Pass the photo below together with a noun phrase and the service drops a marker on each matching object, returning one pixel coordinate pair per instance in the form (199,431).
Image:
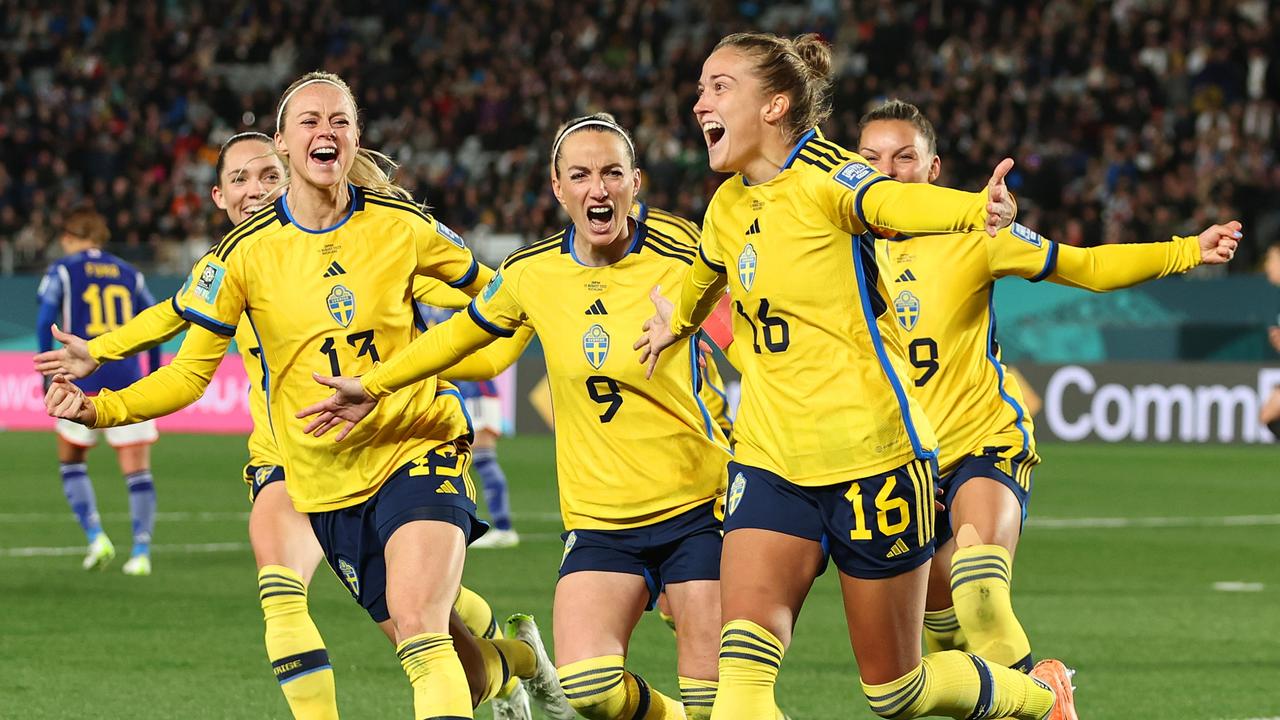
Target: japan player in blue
(89,292)
(485,408)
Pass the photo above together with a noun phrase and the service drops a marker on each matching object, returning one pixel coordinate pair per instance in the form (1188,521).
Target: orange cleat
(1057,677)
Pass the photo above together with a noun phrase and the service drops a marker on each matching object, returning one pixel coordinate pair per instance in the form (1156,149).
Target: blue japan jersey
(432,316)
(89,294)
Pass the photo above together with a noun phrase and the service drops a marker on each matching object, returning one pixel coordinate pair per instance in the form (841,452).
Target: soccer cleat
(544,686)
(1057,678)
(514,706)
(101,553)
(496,538)
(138,566)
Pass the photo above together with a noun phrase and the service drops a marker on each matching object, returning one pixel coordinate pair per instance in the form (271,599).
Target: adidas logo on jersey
(899,548)
(335,269)
(907,276)
(755,227)
(597,308)
(447,488)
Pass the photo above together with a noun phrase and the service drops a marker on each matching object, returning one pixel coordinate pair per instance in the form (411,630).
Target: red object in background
(719,324)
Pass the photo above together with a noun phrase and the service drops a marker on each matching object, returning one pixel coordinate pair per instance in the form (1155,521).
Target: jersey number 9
(605,391)
(924,355)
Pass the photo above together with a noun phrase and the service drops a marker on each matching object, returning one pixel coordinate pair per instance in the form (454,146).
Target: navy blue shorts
(875,527)
(685,547)
(260,476)
(434,487)
(1014,473)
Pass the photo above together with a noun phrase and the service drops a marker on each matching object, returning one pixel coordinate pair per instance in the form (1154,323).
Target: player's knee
(596,688)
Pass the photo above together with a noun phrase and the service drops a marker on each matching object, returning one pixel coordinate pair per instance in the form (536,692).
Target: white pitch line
(80,549)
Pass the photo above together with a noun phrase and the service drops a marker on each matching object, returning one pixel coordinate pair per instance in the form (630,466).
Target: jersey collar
(637,239)
(791,157)
(286,217)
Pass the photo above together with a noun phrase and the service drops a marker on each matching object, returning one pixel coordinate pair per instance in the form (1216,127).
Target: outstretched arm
(1111,267)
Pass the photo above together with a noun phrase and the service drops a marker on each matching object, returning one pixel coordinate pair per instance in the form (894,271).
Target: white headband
(555,149)
(285,103)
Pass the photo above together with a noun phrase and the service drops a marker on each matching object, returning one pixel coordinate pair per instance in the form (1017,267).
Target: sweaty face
(730,110)
(897,149)
(250,174)
(319,135)
(596,183)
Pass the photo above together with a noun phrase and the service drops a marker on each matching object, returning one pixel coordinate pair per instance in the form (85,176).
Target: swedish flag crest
(570,540)
(349,577)
(595,345)
(747,266)
(736,491)
(907,308)
(342,305)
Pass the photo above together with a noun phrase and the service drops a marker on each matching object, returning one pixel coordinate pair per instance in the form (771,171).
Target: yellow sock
(980,576)
(440,689)
(698,696)
(942,631)
(750,657)
(505,662)
(476,614)
(294,645)
(600,689)
(959,685)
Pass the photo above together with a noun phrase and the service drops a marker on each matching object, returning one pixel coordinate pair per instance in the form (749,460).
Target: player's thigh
(885,616)
(765,576)
(991,508)
(939,593)
(595,612)
(74,441)
(424,561)
(485,438)
(134,458)
(280,535)
(695,606)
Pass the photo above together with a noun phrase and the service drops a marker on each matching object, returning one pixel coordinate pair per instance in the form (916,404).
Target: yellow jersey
(629,451)
(824,390)
(334,301)
(942,291)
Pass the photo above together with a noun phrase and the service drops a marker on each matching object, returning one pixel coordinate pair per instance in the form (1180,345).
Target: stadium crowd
(1130,120)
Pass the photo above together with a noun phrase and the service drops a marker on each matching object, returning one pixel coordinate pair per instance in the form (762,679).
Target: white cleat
(544,686)
(101,553)
(514,706)
(138,566)
(495,539)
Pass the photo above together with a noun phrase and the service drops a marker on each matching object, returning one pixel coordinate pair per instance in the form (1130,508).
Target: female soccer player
(393,518)
(828,444)
(640,464)
(942,290)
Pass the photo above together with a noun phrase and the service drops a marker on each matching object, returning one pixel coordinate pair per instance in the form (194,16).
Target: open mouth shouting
(325,156)
(600,218)
(713,132)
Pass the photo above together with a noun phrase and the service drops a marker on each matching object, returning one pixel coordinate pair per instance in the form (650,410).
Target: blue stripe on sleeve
(485,324)
(1050,263)
(209,323)
(468,277)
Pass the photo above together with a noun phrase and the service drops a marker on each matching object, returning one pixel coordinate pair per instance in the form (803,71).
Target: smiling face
(732,110)
(898,149)
(596,183)
(251,172)
(318,134)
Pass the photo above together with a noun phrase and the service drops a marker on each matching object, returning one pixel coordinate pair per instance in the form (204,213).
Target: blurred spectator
(1130,120)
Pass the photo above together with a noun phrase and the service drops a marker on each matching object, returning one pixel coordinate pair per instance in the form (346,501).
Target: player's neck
(768,161)
(316,208)
(602,255)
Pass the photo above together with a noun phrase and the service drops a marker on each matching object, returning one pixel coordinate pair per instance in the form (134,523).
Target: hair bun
(815,53)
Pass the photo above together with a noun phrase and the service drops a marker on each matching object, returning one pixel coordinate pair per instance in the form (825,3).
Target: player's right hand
(72,359)
(1218,243)
(68,402)
(348,405)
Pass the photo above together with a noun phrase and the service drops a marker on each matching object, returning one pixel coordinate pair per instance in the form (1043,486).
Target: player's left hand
(657,331)
(72,359)
(66,401)
(348,405)
(1001,207)
(1218,243)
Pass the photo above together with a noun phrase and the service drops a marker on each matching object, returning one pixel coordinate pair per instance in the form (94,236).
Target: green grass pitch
(1116,575)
